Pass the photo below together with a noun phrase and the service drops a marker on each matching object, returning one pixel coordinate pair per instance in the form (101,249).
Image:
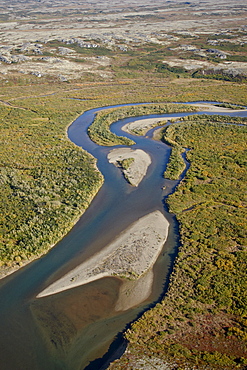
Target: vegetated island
(130,256)
(201,322)
(133,163)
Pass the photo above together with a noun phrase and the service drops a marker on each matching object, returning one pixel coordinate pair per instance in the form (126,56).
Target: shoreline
(6,271)
(130,256)
(144,124)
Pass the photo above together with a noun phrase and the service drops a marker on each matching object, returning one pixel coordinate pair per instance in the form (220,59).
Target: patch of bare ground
(209,332)
(130,255)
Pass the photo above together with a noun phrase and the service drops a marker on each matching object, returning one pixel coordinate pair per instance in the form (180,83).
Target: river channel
(71,329)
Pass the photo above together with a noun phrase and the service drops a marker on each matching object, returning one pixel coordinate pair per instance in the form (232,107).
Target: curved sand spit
(214,108)
(130,255)
(143,125)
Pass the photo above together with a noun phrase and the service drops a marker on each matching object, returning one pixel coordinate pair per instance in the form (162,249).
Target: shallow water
(72,328)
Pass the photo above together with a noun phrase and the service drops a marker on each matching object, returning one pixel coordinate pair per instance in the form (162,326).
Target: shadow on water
(116,350)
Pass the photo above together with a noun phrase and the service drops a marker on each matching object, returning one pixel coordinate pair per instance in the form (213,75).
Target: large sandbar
(130,255)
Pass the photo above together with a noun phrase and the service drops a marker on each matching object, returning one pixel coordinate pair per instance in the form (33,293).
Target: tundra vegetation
(176,163)
(99,130)
(125,163)
(202,320)
(46,183)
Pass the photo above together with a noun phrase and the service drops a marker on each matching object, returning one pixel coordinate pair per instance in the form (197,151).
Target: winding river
(74,328)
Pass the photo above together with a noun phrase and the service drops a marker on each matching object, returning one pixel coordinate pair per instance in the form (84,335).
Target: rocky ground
(64,39)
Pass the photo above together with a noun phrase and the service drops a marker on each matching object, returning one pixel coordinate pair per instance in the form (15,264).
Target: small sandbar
(140,127)
(137,169)
(214,108)
(130,255)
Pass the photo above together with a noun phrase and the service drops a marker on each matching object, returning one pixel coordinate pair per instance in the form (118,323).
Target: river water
(70,329)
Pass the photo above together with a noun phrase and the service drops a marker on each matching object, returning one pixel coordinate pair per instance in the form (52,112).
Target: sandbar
(129,256)
(138,168)
(143,125)
(214,108)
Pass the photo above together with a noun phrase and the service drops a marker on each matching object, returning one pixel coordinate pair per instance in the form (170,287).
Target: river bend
(70,329)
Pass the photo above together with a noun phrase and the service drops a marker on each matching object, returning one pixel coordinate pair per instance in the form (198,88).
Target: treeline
(202,319)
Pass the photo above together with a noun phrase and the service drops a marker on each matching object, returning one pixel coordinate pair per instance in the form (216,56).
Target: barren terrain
(69,40)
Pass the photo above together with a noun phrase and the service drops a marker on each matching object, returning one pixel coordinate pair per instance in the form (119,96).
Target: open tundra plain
(75,39)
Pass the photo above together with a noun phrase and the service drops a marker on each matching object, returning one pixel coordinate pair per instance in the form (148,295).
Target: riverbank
(19,284)
(130,255)
(200,322)
(141,126)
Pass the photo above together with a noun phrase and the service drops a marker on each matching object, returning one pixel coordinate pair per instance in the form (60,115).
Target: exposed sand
(143,125)
(133,292)
(214,108)
(138,168)
(130,255)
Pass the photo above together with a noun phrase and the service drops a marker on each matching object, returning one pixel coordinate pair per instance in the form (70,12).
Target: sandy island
(130,255)
(137,169)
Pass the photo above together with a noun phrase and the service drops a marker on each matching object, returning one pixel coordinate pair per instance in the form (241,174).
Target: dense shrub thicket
(45,183)
(203,317)
(99,130)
